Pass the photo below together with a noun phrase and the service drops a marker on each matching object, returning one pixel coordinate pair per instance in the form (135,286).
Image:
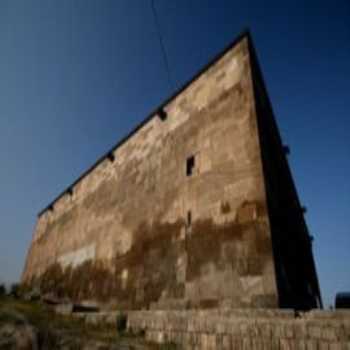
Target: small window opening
(162,114)
(51,207)
(190,166)
(111,157)
(70,192)
(189,218)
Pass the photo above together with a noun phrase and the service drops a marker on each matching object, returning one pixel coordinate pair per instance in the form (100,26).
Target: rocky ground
(32,325)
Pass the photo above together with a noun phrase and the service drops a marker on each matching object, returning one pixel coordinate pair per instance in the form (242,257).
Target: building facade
(195,208)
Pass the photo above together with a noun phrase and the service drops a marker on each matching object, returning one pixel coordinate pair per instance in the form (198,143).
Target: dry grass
(53,327)
(46,321)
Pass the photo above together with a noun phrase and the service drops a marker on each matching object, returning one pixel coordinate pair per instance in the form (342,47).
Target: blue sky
(76,76)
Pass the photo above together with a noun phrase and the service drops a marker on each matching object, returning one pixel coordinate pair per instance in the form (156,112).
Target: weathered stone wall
(164,236)
(245,329)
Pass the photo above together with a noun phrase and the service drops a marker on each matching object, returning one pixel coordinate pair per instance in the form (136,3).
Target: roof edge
(244,34)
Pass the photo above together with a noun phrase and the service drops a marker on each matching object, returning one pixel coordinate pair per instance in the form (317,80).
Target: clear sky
(77,75)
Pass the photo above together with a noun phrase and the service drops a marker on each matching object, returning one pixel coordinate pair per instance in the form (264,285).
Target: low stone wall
(97,318)
(245,329)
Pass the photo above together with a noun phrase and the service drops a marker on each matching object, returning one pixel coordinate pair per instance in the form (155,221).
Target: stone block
(64,309)
(314,331)
(335,346)
(323,345)
(226,342)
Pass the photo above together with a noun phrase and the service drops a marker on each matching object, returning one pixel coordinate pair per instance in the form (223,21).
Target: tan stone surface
(132,212)
(244,329)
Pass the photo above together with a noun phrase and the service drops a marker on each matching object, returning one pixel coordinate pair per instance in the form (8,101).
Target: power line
(161,42)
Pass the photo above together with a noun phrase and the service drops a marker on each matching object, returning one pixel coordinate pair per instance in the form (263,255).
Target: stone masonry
(190,210)
(245,329)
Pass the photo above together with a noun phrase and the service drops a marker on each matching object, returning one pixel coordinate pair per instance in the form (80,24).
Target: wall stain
(148,272)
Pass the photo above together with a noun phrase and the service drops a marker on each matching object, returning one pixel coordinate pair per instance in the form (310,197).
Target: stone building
(195,208)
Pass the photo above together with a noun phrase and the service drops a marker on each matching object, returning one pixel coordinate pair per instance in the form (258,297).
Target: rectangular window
(189,218)
(190,166)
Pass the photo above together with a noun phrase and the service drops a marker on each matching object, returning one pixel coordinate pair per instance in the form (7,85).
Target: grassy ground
(48,323)
(40,316)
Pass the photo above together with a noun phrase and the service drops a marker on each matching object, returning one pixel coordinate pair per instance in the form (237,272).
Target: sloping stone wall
(165,236)
(245,329)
